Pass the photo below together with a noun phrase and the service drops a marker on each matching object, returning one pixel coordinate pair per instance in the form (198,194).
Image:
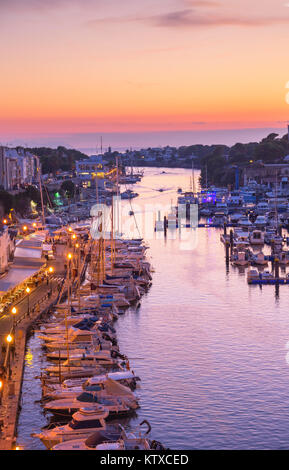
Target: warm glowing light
(74,236)
(9,339)
(34,224)
(69,229)
(5,221)
(1,384)
(77,245)
(14,310)
(69,256)
(25,228)
(51,269)
(28,290)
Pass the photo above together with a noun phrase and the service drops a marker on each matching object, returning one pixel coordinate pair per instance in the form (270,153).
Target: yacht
(245,222)
(262,207)
(256,237)
(84,422)
(127,440)
(259,259)
(116,405)
(261,221)
(239,258)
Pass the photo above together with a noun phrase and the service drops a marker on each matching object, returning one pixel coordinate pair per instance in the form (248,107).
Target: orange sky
(133,65)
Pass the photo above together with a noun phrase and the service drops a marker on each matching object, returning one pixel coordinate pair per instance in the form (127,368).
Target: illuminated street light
(28,290)
(9,339)
(5,221)
(51,269)
(69,256)
(24,228)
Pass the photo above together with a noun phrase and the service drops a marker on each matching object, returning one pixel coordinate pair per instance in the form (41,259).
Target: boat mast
(193,176)
(40,188)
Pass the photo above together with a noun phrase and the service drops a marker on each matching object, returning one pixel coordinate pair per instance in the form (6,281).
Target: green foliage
(68,187)
(60,159)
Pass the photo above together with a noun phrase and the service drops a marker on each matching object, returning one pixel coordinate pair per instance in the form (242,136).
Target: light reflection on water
(210,350)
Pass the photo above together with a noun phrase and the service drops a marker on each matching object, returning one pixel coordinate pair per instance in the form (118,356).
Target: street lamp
(28,290)
(9,340)
(14,311)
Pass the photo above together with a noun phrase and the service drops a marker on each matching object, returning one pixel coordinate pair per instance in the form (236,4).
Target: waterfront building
(7,248)
(17,167)
(266,173)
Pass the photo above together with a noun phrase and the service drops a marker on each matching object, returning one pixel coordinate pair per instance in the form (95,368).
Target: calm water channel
(210,350)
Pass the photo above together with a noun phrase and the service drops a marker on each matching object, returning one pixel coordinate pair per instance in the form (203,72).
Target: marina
(194,325)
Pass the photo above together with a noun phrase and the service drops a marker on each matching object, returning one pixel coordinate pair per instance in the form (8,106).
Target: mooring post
(227,246)
(231,241)
(165,226)
(225,229)
(276,265)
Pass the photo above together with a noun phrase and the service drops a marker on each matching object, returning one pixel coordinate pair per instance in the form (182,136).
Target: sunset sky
(90,67)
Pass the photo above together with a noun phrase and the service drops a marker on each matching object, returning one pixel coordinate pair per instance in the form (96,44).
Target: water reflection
(209,348)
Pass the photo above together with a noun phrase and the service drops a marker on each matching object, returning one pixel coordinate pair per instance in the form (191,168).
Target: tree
(68,187)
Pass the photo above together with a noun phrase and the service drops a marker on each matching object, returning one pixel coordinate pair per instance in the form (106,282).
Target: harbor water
(210,349)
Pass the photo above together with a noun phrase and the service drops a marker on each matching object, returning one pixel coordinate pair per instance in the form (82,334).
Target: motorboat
(106,388)
(239,258)
(256,237)
(116,405)
(262,207)
(84,422)
(261,221)
(283,257)
(244,222)
(235,217)
(127,440)
(259,259)
(126,377)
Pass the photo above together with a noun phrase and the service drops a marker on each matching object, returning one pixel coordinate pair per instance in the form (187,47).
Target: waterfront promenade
(29,308)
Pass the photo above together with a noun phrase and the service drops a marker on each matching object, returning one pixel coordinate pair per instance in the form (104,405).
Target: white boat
(256,237)
(128,440)
(84,422)
(245,222)
(262,207)
(261,221)
(259,259)
(240,259)
(106,388)
(116,405)
(284,258)
(235,217)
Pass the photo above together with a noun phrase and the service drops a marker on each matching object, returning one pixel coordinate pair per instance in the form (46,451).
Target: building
(7,248)
(268,174)
(18,167)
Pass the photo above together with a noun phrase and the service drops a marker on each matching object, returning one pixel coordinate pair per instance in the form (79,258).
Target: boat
(261,221)
(244,222)
(128,194)
(117,406)
(128,440)
(239,258)
(84,422)
(235,217)
(219,218)
(262,207)
(259,259)
(283,258)
(256,237)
